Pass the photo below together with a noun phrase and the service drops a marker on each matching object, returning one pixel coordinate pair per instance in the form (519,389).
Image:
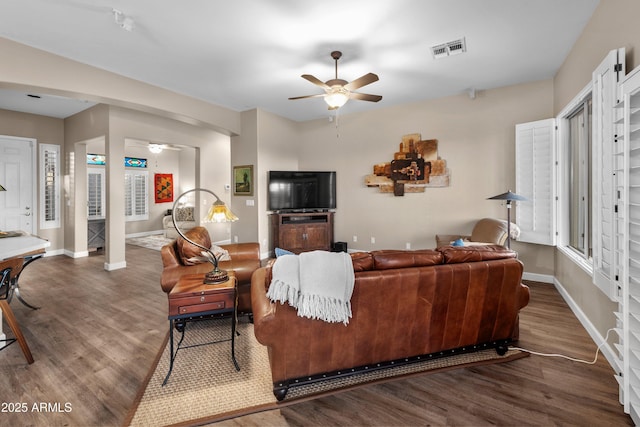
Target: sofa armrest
(243,251)
(263,309)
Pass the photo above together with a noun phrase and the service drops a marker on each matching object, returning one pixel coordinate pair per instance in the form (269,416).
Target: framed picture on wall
(163,185)
(243,180)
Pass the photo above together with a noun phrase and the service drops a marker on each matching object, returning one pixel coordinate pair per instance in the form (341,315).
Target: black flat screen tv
(295,191)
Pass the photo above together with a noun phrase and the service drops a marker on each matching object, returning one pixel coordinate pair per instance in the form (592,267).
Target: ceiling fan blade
(308,96)
(365,97)
(361,81)
(315,81)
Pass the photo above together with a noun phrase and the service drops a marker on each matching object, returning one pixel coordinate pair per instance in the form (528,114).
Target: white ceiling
(244,54)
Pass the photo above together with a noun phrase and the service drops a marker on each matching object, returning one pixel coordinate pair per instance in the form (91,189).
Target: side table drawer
(200,303)
(187,309)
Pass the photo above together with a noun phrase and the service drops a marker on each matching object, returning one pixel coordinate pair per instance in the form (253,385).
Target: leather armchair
(487,231)
(245,259)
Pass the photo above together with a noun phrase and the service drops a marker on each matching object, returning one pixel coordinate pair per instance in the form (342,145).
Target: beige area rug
(153,241)
(204,387)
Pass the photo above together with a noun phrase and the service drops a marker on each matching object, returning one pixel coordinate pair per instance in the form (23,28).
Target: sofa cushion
(388,259)
(362,261)
(458,254)
(187,251)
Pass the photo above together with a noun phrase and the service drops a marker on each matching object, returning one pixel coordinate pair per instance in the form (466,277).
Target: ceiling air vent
(449,49)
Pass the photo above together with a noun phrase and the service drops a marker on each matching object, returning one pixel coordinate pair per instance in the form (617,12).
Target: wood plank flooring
(98,332)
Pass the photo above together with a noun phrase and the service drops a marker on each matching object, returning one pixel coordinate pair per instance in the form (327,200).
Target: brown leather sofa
(405,305)
(245,259)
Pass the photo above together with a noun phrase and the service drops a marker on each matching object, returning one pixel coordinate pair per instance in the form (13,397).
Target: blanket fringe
(328,309)
(283,292)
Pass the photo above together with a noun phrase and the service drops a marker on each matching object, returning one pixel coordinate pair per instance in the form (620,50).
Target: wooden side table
(190,298)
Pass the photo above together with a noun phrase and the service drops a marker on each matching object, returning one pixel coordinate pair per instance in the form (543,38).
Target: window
(578,141)
(95,193)
(136,195)
(50,186)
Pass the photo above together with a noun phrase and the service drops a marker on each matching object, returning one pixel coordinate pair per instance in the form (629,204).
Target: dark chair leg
(13,324)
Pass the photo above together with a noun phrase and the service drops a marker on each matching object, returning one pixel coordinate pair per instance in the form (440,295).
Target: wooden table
(19,244)
(26,246)
(191,299)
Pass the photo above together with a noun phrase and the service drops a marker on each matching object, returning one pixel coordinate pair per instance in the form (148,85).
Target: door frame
(35,174)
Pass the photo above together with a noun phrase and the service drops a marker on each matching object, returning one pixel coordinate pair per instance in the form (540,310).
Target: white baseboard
(115,266)
(80,254)
(535,277)
(55,252)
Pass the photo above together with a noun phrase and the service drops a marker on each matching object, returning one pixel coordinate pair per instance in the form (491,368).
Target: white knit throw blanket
(318,284)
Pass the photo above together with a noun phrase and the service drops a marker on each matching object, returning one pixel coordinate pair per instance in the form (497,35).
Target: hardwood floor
(93,340)
(98,332)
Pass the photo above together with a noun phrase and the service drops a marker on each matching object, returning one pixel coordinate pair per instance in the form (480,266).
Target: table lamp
(509,197)
(218,212)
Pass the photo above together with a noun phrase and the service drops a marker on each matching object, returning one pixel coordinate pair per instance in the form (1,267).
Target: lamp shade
(219,212)
(508,196)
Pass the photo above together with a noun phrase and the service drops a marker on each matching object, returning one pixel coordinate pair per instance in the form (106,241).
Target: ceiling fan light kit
(337,97)
(339,91)
(156,148)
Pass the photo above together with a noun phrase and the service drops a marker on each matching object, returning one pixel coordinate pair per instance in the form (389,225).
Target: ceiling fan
(338,91)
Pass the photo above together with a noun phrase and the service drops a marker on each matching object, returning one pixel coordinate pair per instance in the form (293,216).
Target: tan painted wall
(211,164)
(45,130)
(244,151)
(476,138)
(80,129)
(614,24)
(33,68)
(118,125)
(269,142)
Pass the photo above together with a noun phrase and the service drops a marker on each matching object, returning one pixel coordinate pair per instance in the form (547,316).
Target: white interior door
(17,204)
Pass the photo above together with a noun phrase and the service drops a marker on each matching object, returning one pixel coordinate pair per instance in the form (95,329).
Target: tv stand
(302,232)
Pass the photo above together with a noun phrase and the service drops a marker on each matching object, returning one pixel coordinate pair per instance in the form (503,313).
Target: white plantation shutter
(95,193)
(627,238)
(604,84)
(50,186)
(136,194)
(535,180)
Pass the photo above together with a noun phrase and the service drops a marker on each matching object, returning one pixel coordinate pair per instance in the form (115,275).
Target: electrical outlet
(355,238)
(235,239)
(373,240)
(407,246)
